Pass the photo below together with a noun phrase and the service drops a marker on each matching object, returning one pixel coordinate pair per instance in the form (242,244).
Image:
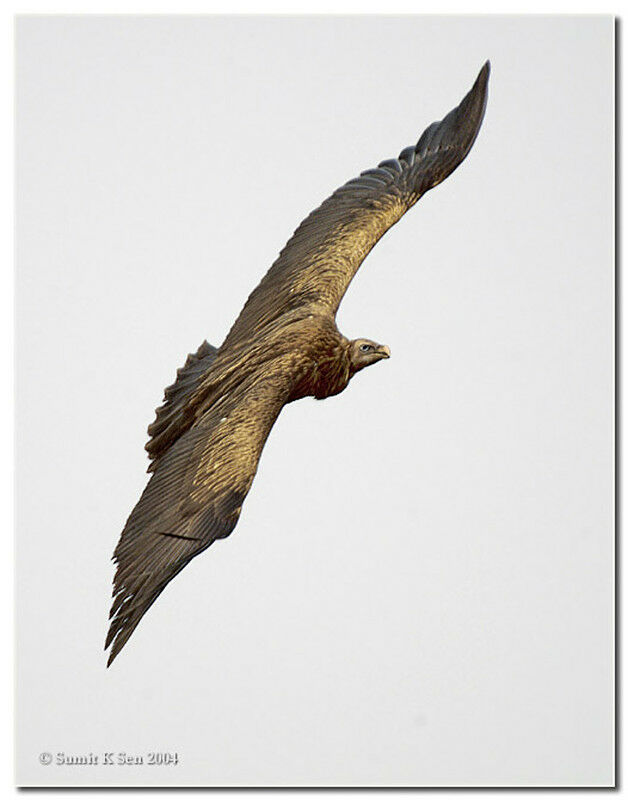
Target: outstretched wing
(318,263)
(195,495)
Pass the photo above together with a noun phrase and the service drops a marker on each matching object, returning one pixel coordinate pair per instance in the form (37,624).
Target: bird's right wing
(320,260)
(195,494)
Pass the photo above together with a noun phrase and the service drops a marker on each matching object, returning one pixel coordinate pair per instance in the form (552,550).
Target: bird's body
(208,435)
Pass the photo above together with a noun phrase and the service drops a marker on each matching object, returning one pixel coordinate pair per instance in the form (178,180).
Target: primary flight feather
(208,435)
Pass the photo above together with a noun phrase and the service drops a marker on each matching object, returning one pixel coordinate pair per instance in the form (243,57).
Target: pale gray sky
(420,589)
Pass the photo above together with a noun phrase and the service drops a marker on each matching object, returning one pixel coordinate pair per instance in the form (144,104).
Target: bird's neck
(328,372)
(332,371)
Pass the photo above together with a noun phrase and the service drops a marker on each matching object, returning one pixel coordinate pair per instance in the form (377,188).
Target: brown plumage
(208,435)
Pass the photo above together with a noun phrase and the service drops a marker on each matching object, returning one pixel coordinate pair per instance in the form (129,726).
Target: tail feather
(174,416)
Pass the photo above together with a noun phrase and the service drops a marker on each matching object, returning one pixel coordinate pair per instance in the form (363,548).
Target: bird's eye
(366,347)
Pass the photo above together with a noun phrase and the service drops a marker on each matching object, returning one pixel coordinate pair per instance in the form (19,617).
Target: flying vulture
(206,440)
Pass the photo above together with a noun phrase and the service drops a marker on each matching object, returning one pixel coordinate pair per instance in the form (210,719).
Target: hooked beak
(383,351)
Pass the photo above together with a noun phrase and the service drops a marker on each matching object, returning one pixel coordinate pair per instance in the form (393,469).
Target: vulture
(207,437)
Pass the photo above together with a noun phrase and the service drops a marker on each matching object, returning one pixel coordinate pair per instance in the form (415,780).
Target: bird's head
(364,352)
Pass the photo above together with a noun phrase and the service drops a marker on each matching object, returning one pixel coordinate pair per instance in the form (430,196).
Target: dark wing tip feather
(145,567)
(444,145)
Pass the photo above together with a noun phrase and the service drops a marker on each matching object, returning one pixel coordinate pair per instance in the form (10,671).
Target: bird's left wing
(318,263)
(195,495)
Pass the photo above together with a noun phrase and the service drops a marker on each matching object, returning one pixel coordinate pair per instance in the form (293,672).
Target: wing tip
(481,82)
(117,637)
(478,96)
(108,643)
(112,655)
(444,145)
(483,76)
